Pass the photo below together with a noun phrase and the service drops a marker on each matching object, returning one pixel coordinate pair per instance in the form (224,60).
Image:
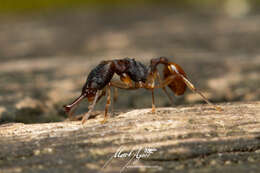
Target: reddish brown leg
(153,104)
(91,107)
(121,85)
(191,86)
(169,79)
(150,84)
(164,89)
(126,79)
(115,96)
(107,104)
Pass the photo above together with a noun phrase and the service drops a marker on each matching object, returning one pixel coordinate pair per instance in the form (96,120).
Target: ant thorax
(137,71)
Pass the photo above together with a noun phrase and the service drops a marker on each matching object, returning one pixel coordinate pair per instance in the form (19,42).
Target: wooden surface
(184,139)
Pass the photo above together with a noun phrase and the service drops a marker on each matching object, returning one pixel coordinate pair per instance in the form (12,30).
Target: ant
(133,75)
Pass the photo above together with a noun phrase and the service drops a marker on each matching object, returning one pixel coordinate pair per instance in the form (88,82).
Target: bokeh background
(48,47)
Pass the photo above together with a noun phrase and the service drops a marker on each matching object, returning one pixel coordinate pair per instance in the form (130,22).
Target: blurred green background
(27,6)
(15,6)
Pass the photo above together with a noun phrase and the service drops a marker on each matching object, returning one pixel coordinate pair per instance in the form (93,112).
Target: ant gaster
(133,75)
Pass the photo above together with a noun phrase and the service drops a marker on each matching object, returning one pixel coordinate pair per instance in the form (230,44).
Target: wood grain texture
(187,139)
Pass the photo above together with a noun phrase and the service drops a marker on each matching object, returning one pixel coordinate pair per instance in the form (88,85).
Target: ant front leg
(91,107)
(126,79)
(115,96)
(107,104)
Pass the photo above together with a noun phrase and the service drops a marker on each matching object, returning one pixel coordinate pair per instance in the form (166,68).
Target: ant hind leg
(91,107)
(169,79)
(153,104)
(192,87)
(164,88)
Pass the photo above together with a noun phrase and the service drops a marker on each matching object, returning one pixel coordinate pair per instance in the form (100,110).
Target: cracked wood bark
(186,139)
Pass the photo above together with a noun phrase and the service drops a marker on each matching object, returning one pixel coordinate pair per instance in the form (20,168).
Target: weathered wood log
(186,139)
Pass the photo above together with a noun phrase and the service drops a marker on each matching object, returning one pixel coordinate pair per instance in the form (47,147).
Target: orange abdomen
(177,85)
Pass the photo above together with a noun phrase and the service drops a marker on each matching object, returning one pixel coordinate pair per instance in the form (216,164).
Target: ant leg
(91,107)
(164,89)
(153,104)
(169,79)
(78,117)
(115,94)
(103,93)
(192,87)
(151,86)
(107,105)
(121,85)
(126,79)
(125,83)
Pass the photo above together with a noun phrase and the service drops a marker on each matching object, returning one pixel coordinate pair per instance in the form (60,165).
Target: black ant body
(133,75)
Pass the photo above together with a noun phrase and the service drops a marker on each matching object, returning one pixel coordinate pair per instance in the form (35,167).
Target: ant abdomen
(177,85)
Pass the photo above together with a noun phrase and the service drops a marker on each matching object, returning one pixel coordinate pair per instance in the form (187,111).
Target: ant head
(67,108)
(86,92)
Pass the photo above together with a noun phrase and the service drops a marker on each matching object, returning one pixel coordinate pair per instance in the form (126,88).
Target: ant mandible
(133,75)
